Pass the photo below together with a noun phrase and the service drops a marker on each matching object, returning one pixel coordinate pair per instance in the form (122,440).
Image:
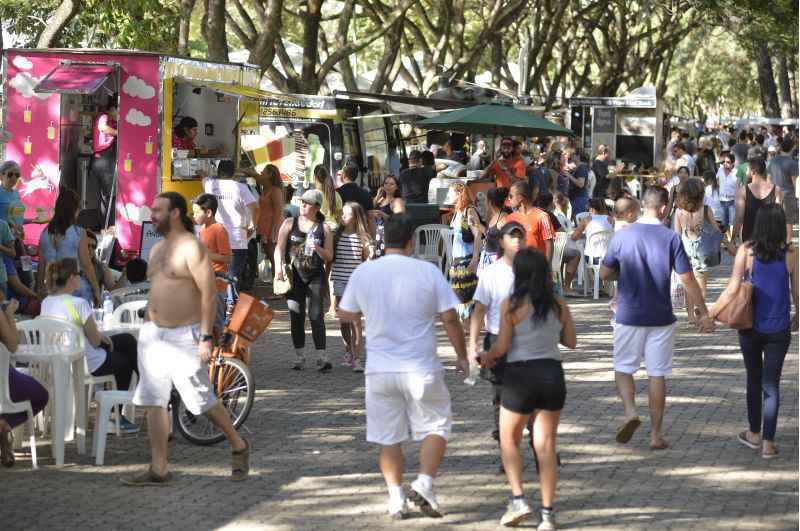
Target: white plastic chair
(60,344)
(596,246)
(8,407)
(123,295)
(580,217)
(635,187)
(106,400)
(447,238)
(127,314)
(428,244)
(559,245)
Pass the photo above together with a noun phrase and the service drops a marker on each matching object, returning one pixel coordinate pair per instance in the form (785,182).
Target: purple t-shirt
(645,253)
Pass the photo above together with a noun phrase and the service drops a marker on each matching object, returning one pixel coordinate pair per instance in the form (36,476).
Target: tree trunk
(793,84)
(215,30)
(62,16)
(786,90)
(766,81)
(312,18)
(186,8)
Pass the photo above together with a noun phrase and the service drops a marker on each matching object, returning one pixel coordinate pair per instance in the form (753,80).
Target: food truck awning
(75,78)
(238,91)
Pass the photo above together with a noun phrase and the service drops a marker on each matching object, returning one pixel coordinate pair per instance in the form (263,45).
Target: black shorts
(533,384)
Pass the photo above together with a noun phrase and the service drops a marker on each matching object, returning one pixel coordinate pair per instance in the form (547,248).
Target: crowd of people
(352,248)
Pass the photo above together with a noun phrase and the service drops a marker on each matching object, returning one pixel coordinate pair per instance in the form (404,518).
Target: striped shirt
(349,252)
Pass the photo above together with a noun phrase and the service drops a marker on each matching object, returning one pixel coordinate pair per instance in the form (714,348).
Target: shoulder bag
(738,313)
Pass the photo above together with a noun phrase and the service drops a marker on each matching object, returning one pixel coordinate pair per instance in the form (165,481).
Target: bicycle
(228,370)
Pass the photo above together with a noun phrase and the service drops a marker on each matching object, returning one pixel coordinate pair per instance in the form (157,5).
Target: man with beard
(508,169)
(175,341)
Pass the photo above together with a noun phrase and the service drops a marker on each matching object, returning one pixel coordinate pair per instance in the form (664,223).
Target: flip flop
(742,438)
(769,455)
(625,432)
(662,445)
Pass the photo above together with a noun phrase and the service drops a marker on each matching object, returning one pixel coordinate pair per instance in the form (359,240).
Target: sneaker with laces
(548,522)
(425,499)
(398,509)
(125,426)
(347,360)
(357,367)
(299,364)
(324,366)
(517,512)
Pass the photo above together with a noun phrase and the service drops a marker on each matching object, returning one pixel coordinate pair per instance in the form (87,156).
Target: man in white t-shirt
(400,297)
(494,285)
(237,210)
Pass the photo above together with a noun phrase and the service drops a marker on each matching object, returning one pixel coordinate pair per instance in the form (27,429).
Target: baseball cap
(512,226)
(312,196)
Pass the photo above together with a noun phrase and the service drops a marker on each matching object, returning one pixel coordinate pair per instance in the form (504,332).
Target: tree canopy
(717,57)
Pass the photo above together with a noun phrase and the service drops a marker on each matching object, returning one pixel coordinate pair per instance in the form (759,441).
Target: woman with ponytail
(104,355)
(533,322)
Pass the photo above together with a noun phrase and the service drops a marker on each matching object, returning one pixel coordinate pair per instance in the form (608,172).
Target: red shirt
(182,143)
(506,172)
(102,141)
(538,228)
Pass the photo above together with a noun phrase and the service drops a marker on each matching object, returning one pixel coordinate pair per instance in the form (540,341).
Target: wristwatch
(206,338)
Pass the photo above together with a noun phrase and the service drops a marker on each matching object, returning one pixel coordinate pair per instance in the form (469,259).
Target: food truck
(53,98)
(633,126)
(298,131)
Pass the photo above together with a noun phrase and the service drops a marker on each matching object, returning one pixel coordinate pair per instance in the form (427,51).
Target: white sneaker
(298,364)
(398,509)
(517,512)
(548,521)
(425,499)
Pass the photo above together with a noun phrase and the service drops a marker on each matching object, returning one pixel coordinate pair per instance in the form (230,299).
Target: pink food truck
(53,101)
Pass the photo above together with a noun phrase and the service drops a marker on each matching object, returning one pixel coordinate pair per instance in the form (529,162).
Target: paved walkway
(312,469)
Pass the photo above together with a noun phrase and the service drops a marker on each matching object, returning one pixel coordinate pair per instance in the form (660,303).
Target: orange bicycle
(228,370)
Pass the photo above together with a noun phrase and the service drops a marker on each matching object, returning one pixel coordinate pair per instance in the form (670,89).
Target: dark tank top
(305,263)
(751,207)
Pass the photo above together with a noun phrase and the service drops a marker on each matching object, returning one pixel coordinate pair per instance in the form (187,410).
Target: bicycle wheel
(236,391)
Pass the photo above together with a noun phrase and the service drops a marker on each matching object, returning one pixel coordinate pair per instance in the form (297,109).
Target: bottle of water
(311,243)
(380,244)
(108,309)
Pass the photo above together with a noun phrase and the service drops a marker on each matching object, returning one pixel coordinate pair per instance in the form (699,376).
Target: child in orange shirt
(215,238)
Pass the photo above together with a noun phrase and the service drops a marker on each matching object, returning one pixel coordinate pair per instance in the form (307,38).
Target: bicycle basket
(250,317)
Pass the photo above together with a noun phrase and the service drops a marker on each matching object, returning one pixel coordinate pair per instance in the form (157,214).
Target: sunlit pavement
(311,467)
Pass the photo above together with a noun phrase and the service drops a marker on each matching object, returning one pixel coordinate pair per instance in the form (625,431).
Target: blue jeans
(238,263)
(728,213)
(763,359)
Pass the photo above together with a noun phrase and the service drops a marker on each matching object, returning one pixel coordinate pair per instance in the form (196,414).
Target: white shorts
(168,357)
(400,404)
(653,343)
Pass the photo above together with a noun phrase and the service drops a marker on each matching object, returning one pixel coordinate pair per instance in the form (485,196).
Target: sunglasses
(308,203)
(13,174)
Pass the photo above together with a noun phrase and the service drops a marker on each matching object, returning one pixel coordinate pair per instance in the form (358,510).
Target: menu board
(604,120)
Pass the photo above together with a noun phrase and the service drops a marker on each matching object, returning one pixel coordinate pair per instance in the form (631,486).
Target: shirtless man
(175,342)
